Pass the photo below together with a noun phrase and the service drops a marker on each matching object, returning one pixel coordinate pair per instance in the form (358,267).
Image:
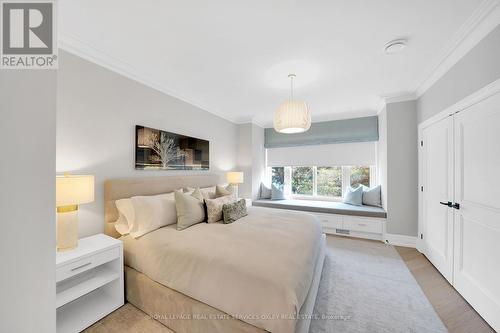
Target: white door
(477,221)
(437,217)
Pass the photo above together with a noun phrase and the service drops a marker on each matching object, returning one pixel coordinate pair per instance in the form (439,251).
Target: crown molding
(399,97)
(86,51)
(482,21)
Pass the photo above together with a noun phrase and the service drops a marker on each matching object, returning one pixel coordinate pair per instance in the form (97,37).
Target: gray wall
(27,200)
(382,155)
(251,159)
(97,111)
(401,190)
(477,69)
(258,158)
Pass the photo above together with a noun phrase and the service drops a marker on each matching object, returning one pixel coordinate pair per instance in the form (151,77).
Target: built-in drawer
(86,263)
(331,221)
(363,224)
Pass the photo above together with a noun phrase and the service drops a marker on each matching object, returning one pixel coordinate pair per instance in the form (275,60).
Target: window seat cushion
(330,207)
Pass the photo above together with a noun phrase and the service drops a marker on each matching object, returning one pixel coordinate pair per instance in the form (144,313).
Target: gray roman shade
(337,131)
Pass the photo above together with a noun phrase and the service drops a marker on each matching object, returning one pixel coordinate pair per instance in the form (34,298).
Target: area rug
(366,287)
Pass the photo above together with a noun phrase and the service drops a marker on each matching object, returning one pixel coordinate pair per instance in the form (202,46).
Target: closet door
(477,221)
(438,192)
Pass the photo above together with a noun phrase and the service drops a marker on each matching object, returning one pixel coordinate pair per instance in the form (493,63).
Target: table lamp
(234,178)
(71,191)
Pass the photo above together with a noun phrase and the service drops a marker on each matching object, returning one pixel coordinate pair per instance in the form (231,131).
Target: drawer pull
(81,266)
(362,224)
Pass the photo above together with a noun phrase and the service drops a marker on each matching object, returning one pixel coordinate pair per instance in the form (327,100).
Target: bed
(260,273)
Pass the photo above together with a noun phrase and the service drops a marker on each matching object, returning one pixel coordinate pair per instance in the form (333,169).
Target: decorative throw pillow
(214,207)
(277,193)
(354,196)
(208,192)
(265,192)
(190,210)
(372,196)
(188,189)
(197,194)
(221,191)
(234,211)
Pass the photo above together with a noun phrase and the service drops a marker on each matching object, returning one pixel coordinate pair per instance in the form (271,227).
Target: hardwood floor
(453,309)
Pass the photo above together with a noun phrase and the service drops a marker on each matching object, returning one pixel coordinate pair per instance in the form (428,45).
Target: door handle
(456,205)
(449,203)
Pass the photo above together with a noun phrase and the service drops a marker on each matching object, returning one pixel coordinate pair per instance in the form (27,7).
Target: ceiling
(232,57)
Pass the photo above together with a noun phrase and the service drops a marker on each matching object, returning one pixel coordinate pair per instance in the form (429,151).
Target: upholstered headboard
(116,189)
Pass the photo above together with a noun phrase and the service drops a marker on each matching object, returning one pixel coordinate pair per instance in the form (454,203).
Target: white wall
(27,200)
(97,113)
(475,70)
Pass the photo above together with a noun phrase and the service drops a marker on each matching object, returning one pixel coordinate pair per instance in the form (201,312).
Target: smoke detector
(395,46)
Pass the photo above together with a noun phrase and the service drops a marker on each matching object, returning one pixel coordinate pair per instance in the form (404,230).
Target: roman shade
(357,153)
(337,131)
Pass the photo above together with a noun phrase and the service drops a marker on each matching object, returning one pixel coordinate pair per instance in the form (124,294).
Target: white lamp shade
(234,177)
(74,190)
(292,117)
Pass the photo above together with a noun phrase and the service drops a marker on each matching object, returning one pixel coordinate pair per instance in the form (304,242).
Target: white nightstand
(89,282)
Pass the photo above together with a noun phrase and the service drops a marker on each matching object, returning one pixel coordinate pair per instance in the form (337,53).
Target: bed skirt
(184,314)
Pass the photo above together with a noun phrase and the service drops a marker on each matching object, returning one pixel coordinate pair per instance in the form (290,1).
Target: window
(329,181)
(302,180)
(278,176)
(320,182)
(360,175)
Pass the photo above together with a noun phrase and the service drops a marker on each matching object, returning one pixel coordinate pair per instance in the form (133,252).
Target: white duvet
(258,269)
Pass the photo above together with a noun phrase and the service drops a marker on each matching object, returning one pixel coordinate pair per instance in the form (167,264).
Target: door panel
(477,222)
(438,187)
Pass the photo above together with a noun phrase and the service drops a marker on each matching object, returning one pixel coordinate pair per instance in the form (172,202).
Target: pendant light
(292,116)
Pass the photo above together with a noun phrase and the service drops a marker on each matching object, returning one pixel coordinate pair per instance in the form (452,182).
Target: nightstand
(89,282)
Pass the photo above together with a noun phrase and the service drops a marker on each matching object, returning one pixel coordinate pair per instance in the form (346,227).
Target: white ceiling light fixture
(292,116)
(395,46)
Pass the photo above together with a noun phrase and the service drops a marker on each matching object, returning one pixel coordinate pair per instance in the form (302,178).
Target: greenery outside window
(320,182)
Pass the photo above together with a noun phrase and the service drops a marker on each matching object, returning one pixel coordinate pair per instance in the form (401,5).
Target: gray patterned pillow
(234,211)
(214,207)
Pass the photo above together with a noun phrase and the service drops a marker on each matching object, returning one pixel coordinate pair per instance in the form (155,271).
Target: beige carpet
(365,287)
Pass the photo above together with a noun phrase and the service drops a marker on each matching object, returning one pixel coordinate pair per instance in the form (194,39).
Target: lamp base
(67,230)
(235,190)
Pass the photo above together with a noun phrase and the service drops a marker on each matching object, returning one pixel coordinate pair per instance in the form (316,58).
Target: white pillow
(127,216)
(152,212)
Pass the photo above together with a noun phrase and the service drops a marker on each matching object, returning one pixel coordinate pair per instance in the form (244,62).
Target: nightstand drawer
(86,263)
(363,224)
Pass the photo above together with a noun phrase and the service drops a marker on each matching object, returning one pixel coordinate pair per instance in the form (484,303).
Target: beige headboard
(115,189)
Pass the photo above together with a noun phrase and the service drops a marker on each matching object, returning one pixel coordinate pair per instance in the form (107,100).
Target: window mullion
(346,178)
(288,180)
(315,185)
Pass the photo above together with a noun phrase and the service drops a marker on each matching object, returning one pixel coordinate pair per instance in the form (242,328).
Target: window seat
(329,207)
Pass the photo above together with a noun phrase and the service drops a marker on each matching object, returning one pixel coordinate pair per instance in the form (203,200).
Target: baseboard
(400,240)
